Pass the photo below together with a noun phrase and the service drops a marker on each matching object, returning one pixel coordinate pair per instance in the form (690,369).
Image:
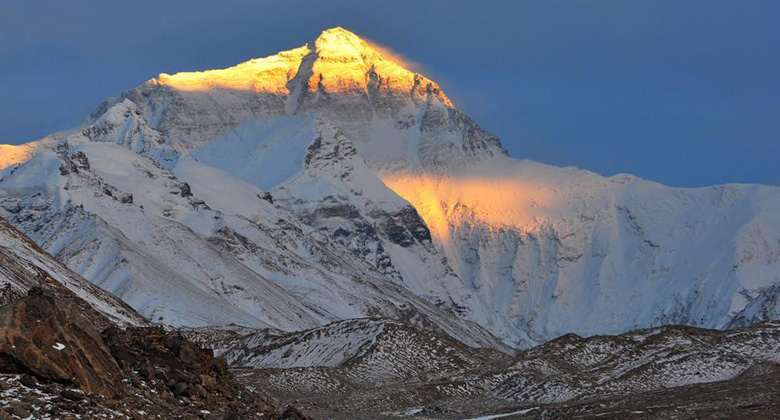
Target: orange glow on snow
(449,201)
(337,62)
(396,57)
(11,155)
(261,75)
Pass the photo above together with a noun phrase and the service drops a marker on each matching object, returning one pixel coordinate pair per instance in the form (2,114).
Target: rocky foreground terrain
(54,364)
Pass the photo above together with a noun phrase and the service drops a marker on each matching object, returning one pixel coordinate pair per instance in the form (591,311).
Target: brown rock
(188,354)
(168,397)
(161,373)
(29,381)
(293,413)
(69,394)
(52,340)
(182,389)
(202,393)
(20,410)
(208,381)
(147,371)
(30,399)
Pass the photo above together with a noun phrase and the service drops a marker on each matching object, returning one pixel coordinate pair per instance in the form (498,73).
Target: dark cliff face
(404,227)
(414,224)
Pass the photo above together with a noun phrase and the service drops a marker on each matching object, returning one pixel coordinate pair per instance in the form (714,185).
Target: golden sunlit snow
(337,62)
(11,155)
(445,201)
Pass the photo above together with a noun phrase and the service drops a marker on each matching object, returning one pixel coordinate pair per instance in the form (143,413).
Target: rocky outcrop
(172,364)
(50,352)
(55,342)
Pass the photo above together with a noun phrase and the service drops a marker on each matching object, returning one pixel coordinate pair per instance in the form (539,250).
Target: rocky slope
(378,348)
(55,364)
(635,362)
(328,182)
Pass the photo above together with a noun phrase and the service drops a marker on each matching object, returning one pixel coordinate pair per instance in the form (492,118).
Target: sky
(686,93)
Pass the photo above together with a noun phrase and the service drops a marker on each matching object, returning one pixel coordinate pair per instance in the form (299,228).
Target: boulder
(293,413)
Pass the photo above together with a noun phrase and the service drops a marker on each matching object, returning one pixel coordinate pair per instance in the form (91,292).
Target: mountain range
(329,183)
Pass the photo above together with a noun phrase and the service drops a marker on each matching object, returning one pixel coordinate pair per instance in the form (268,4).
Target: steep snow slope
(331,188)
(23,265)
(88,210)
(196,246)
(11,155)
(303,166)
(560,250)
(263,152)
(331,345)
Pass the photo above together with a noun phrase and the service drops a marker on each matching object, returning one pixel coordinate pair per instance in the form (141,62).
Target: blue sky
(686,93)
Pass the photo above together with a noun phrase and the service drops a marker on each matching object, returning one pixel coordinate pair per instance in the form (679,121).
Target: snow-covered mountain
(137,230)
(328,182)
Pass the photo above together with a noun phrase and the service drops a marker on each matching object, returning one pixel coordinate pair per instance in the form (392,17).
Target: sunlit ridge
(338,61)
(12,155)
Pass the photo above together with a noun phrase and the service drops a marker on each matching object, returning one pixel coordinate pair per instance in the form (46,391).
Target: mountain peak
(339,30)
(336,62)
(339,34)
(339,43)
